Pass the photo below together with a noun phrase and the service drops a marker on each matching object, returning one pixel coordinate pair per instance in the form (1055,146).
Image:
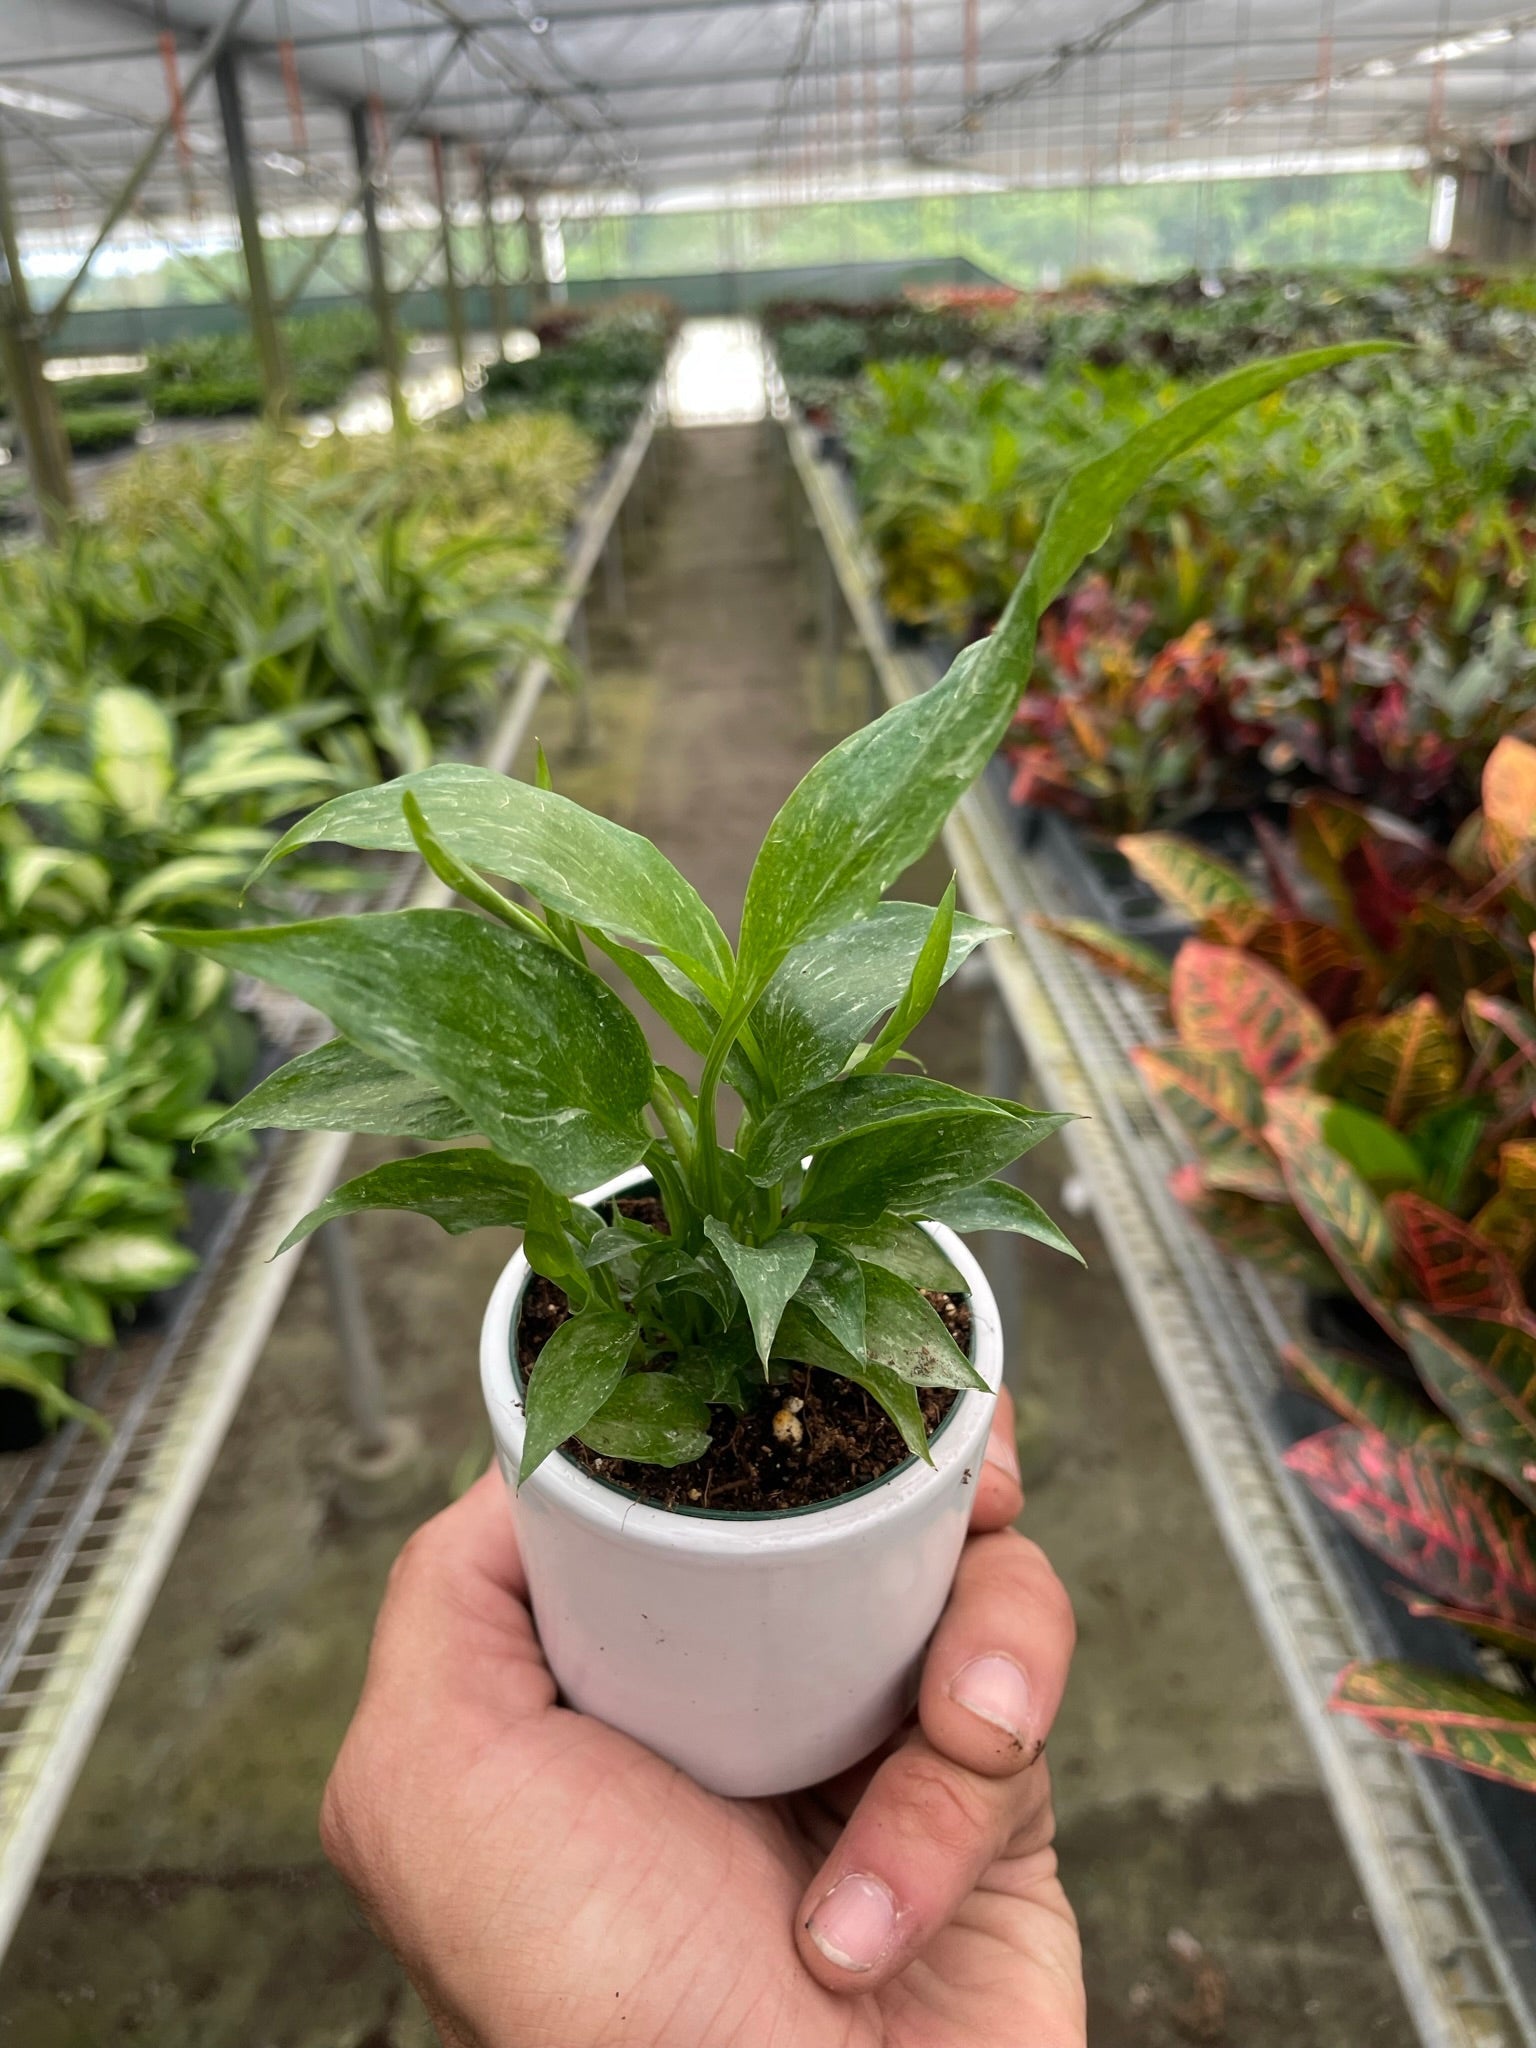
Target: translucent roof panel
(761,97)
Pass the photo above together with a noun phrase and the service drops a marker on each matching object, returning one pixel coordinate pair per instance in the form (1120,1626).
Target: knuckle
(1025,1559)
(942,1806)
(338,1834)
(414,1562)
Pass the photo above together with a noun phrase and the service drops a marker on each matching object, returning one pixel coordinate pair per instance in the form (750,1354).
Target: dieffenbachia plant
(491,1021)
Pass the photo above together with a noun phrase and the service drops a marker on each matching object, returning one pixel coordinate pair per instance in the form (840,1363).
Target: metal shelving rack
(88,1527)
(1460,1938)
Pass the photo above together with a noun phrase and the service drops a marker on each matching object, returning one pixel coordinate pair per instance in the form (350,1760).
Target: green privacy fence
(125,330)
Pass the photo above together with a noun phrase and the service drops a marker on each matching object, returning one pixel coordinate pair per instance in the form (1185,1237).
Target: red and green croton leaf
(1121,957)
(1336,1202)
(1227,1002)
(1399,1067)
(1369,1399)
(1516,1639)
(1483,1374)
(1455,1533)
(1185,876)
(1314,958)
(1270,1234)
(1509,1219)
(1458,1720)
(1220,1108)
(1449,1264)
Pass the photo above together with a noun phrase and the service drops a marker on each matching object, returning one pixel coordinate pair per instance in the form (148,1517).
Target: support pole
(31,394)
(533,242)
(263,315)
(495,283)
(453,304)
(362,1378)
(373,243)
(379,1460)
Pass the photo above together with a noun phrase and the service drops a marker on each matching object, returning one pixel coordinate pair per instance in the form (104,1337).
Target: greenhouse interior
(767,1036)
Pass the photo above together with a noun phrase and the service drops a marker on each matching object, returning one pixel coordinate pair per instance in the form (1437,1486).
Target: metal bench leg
(379,1458)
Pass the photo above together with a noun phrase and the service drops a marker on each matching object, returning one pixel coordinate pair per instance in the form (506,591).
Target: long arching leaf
(871,806)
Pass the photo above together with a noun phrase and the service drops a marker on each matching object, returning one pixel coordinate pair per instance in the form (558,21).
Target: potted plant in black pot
(738,1391)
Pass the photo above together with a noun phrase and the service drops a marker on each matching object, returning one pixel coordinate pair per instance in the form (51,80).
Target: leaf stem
(669,1117)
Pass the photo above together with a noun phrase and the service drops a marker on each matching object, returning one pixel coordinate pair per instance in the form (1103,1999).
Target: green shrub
(92,430)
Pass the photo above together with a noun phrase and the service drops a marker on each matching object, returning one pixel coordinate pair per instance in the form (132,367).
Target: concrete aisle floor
(186,1903)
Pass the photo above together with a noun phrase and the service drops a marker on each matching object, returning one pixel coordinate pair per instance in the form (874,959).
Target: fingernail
(996,1691)
(855,1923)
(1003,1453)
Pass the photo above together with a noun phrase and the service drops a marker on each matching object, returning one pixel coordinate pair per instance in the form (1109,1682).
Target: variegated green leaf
(1368,1399)
(1269,1234)
(127,1262)
(1220,1107)
(541,1053)
(22,702)
(1186,876)
(1400,1067)
(469,1189)
(1449,1264)
(579,1367)
(901,1247)
(768,1275)
(1456,1720)
(999,1205)
(1336,1203)
(1483,1374)
(802,1340)
(833,1291)
(653,1417)
(133,752)
(581,865)
(1125,958)
(843,837)
(1508,1636)
(904,1334)
(337,1087)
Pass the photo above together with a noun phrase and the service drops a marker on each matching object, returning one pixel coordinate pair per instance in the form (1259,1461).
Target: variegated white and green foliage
(115,1050)
(800,1245)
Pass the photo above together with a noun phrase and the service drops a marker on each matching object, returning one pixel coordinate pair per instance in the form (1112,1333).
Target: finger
(999,1498)
(455,1616)
(918,1843)
(997,1666)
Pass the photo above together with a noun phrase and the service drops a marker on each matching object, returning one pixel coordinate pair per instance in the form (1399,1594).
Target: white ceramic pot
(762,1652)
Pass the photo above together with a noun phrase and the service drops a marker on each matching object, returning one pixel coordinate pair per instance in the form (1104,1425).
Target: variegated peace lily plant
(491,1020)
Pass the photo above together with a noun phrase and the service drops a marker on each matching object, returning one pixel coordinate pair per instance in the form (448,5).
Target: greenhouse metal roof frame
(653,100)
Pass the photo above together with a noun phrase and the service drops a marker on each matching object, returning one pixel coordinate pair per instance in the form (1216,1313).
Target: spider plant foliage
(798,1245)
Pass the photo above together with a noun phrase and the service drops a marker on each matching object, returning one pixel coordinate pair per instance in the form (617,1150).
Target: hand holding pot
(545,1879)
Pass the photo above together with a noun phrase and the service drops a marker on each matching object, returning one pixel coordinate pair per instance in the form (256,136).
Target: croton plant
(795,1245)
(1355,1072)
